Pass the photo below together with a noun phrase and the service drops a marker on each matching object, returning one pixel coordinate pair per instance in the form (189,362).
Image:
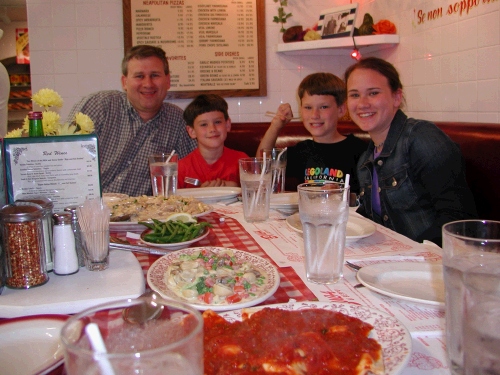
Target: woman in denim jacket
(412,176)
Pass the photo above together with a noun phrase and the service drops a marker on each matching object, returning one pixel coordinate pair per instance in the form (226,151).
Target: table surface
(276,242)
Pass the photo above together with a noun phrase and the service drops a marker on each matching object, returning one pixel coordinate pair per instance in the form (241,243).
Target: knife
(136,249)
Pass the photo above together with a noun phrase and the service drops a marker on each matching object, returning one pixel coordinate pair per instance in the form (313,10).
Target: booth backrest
(480,145)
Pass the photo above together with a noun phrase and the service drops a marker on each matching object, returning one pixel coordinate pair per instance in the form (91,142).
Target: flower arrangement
(48,98)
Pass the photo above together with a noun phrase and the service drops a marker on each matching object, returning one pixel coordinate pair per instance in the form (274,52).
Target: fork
(192,181)
(352,266)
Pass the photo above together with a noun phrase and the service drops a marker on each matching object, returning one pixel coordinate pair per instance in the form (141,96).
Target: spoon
(145,311)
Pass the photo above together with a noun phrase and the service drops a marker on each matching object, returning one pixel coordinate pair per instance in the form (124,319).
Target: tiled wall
(450,66)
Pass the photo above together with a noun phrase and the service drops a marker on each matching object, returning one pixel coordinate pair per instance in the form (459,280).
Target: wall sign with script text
(212,45)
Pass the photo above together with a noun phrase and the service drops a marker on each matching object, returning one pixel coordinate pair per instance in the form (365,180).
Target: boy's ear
(191,131)
(342,110)
(228,124)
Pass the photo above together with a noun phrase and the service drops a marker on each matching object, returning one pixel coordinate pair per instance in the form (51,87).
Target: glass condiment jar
(22,242)
(47,207)
(65,257)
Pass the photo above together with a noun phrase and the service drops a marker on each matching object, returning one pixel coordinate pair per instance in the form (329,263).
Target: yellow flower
(16,133)
(85,123)
(47,98)
(51,122)
(66,129)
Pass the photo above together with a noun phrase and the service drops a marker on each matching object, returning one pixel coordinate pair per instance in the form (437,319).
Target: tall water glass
(471,268)
(163,169)
(168,341)
(324,211)
(255,179)
(278,168)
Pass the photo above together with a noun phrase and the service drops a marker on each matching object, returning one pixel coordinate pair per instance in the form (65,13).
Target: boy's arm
(283,116)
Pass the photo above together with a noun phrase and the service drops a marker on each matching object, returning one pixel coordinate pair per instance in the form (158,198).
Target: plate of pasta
(215,278)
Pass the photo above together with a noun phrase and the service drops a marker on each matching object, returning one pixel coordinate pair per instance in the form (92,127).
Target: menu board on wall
(62,168)
(212,45)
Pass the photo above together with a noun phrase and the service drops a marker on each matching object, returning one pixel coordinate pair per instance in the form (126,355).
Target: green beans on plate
(172,231)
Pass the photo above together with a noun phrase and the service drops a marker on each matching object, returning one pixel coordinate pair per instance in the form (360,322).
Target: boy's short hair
(323,84)
(202,104)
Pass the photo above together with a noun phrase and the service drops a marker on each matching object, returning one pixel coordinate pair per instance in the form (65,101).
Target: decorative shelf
(339,46)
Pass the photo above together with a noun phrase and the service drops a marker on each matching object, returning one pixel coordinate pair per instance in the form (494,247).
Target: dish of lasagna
(302,338)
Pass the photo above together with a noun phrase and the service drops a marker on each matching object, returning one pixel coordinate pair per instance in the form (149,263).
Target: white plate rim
(280,197)
(120,224)
(401,267)
(210,194)
(176,245)
(368,227)
(160,265)
(42,320)
(396,346)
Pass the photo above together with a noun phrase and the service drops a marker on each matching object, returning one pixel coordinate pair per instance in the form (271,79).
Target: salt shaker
(65,257)
(78,237)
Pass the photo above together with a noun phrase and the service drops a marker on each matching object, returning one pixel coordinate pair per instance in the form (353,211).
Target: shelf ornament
(48,98)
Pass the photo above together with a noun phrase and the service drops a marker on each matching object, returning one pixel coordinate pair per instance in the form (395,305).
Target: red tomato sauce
(326,342)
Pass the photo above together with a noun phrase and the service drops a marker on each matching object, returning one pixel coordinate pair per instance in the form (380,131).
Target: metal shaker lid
(20,213)
(61,218)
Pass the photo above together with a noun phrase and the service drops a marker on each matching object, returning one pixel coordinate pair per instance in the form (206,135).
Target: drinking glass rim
(446,229)
(123,304)
(313,186)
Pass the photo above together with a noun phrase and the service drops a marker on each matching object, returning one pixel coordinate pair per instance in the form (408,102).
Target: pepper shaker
(78,237)
(65,257)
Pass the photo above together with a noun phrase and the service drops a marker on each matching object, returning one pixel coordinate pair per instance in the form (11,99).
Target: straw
(93,216)
(170,156)
(97,343)
(256,196)
(332,230)
(167,187)
(274,174)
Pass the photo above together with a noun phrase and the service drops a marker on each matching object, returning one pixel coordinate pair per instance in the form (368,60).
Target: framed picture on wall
(337,22)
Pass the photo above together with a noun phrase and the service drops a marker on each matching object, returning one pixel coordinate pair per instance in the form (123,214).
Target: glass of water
(471,268)
(278,168)
(163,169)
(255,179)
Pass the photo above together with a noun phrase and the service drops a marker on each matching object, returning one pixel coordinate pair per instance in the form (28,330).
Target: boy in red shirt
(212,163)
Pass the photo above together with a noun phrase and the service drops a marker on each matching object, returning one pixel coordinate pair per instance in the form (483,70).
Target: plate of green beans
(174,234)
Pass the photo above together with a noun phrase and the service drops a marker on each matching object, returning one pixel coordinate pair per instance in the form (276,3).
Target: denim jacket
(421,177)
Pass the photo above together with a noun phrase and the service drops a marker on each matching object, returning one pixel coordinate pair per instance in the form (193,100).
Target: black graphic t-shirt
(309,161)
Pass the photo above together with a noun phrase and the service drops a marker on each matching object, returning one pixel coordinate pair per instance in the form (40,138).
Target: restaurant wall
(448,55)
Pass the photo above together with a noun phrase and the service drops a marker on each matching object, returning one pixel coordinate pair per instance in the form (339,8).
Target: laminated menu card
(62,168)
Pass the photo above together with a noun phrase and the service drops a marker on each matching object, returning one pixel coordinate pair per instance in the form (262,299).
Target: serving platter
(390,333)
(30,344)
(412,281)
(175,245)
(356,229)
(210,194)
(156,278)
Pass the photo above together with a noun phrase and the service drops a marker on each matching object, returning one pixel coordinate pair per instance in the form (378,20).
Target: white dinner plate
(356,229)
(390,333)
(30,345)
(210,194)
(412,281)
(123,225)
(156,279)
(285,200)
(176,245)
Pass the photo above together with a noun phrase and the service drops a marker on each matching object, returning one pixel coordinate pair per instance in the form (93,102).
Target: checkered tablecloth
(228,232)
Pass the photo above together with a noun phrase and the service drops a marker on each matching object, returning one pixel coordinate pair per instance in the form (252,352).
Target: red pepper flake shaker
(22,241)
